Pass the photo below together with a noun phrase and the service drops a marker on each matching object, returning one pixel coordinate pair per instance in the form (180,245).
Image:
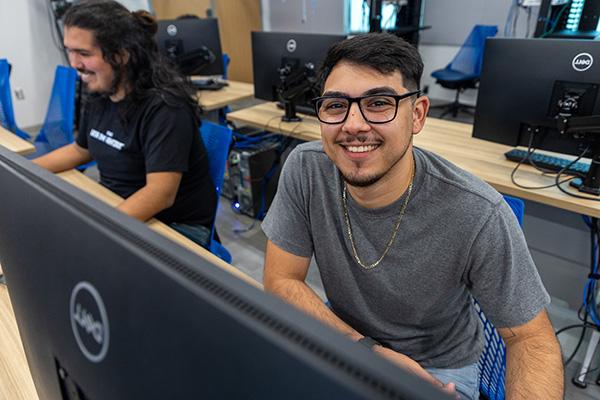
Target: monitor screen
(571,19)
(526,83)
(286,66)
(108,309)
(192,44)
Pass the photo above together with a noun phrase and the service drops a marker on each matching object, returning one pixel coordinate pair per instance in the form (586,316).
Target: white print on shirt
(107,139)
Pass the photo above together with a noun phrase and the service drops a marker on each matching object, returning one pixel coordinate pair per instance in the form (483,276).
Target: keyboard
(551,163)
(208,84)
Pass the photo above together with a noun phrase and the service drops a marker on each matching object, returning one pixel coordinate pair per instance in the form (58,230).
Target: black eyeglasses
(375,108)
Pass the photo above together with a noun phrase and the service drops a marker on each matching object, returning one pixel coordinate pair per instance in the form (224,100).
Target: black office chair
(463,71)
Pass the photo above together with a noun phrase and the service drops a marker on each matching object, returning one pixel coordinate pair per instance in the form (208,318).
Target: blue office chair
(217,139)
(223,111)
(57,130)
(492,362)
(226,61)
(7,114)
(464,70)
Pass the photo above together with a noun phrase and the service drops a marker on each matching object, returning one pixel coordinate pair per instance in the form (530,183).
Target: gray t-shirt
(457,237)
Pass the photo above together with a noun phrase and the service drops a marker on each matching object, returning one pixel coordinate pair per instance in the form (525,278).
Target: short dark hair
(383,52)
(115,29)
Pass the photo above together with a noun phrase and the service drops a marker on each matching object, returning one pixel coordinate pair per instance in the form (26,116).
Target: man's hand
(411,365)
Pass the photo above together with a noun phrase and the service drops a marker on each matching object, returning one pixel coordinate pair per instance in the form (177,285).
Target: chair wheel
(578,383)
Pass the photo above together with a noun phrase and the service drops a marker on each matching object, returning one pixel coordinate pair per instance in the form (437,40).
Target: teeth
(361,149)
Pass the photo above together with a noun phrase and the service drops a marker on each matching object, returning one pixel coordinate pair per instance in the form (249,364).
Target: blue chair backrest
(226,61)
(57,130)
(470,56)
(518,207)
(217,139)
(7,114)
(492,363)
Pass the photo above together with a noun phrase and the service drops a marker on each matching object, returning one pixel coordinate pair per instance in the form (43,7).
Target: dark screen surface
(273,50)
(523,84)
(109,309)
(193,44)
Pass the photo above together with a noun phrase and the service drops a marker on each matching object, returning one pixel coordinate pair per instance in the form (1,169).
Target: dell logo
(89,321)
(582,62)
(291,45)
(171,30)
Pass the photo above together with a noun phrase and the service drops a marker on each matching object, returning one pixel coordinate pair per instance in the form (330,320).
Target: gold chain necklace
(394,232)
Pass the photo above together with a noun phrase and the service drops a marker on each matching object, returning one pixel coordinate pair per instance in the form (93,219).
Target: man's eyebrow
(380,90)
(334,93)
(372,91)
(76,50)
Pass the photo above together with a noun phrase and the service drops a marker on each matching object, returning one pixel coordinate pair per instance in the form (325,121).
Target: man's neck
(119,94)
(389,188)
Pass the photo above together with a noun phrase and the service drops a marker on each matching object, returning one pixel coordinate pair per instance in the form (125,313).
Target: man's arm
(158,194)
(284,275)
(534,367)
(64,158)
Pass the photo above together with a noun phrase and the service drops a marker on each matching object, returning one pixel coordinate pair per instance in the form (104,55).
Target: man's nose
(355,122)
(75,61)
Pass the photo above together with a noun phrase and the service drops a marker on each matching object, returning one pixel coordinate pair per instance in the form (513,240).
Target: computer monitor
(109,309)
(192,44)
(286,67)
(540,91)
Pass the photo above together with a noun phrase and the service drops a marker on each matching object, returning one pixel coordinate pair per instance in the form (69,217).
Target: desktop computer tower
(251,178)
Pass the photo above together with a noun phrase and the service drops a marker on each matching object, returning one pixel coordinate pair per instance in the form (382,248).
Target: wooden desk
(211,100)
(15,143)
(451,140)
(15,379)
(267,116)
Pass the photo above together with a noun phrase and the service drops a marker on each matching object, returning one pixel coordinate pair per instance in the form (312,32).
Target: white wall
(26,41)
(324,16)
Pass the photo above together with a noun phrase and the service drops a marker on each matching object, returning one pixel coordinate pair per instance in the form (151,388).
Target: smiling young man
(402,237)
(140,120)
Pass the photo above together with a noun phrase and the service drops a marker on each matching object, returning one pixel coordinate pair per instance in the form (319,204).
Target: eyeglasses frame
(397,97)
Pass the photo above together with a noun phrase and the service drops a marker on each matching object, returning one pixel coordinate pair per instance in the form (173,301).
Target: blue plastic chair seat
(452,75)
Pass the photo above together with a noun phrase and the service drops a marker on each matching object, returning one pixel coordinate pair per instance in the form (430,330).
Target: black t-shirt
(155,137)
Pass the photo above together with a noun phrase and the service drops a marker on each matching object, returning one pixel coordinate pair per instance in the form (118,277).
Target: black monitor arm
(587,130)
(189,62)
(294,84)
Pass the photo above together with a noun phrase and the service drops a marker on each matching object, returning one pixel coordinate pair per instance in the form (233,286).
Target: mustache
(84,71)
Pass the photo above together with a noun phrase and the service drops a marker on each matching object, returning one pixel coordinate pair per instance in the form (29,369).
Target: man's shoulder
(449,176)
(314,147)
(308,153)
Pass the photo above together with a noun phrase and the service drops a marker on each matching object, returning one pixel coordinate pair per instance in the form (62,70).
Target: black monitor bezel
(195,33)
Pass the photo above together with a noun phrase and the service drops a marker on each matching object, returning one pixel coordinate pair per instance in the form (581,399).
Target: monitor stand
(290,112)
(587,130)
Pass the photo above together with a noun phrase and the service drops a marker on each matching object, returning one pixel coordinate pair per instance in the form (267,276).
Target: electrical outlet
(19,93)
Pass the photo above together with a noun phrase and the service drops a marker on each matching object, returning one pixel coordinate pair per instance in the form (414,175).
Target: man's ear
(420,109)
(123,57)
